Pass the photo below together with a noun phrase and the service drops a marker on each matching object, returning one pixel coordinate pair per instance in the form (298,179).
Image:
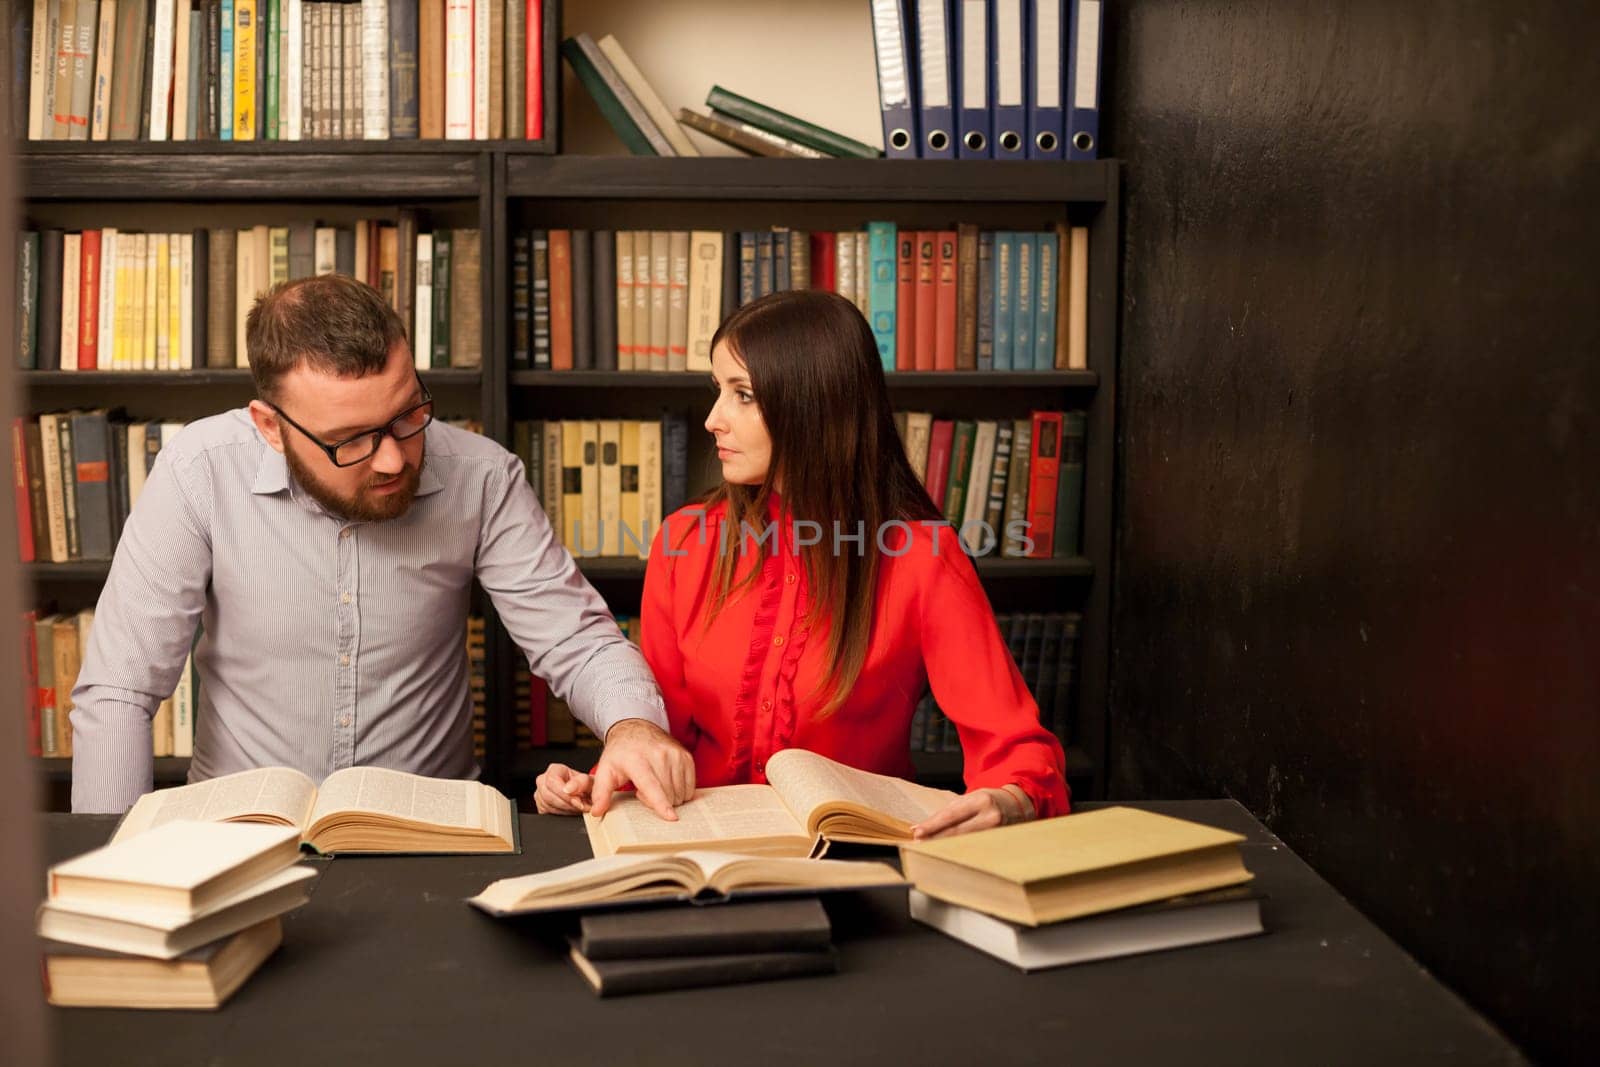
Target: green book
(441,299)
(271,20)
(955,494)
(785,125)
(608,95)
(1069,484)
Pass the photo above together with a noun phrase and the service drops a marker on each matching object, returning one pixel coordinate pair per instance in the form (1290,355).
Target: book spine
(583,305)
(84,30)
(458,48)
(660,288)
(19,489)
(1044,471)
(906,312)
(984,339)
(948,298)
(560,298)
(1069,485)
(927,299)
(375,44)
(404,101)
(51,251)
(466,298)
(966,354)
(787,125)
(91,458)
(1027,282)
(677,355)
(1005,249)
(422,332)
(1044,302)
(27,299)
(705,297)
(225,71)
(89,272)
(1016,511)
(541,299)
(443,253)
(614,99)
(883,289)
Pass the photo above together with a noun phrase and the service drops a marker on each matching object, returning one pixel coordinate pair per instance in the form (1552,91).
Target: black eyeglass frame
(377,434)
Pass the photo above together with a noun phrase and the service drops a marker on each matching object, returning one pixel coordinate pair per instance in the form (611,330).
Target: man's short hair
(333,323)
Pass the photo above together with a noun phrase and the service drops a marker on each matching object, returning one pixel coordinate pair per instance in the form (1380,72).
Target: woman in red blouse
(809,599)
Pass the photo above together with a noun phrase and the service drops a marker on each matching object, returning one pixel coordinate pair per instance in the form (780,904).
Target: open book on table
(358,809)
(698,876)
(812,800)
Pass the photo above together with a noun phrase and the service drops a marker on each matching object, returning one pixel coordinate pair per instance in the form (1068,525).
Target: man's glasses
(360,447)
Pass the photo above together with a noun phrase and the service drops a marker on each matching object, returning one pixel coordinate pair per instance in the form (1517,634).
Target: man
(326,540)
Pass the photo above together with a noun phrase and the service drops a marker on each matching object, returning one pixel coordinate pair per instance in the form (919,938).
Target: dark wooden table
(388,966)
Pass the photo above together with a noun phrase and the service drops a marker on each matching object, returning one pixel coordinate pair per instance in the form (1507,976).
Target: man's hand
(978,810)
(660,769)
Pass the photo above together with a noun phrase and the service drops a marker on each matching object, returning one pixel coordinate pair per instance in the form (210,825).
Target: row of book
(540,717)
(178,916)
(116,300)
(55,644)
(989,79)
(1012,488)
(960,299)
(284,70)
(606,483)
(1045,650)
(647,127)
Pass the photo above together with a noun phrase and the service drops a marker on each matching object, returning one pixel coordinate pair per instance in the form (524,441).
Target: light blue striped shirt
(327,643)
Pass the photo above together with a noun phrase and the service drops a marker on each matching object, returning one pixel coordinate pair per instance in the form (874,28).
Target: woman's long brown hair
(815,372)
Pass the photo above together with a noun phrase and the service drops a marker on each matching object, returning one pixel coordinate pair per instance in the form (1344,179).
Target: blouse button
(789,579)
(778,640)
(766,705)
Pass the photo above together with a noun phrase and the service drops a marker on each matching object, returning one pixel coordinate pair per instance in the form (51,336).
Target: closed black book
(582,311)
(797,924)
(344,251)
(202,296)
(522,300)
(603,300)
(441,298)
(213,93)
(48,354)
(118,480)
(617,978)
(27,298)
(730,273)
(21,51)
(674,461)
(403,100)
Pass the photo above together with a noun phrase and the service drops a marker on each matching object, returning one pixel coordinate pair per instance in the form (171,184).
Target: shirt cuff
(629,703)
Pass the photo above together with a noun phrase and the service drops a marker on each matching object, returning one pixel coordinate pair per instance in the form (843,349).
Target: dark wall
(1358,580)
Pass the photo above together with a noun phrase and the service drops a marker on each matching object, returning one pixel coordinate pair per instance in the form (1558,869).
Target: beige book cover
(625,290)
(161,729)
(812,800)
(1053,869)
(1077,304)
(660,303)
(201,979)
(649,484)
(71,286)
(705,296)
(466,299)
(610,487)
(358,809)
(589,540)
(182,866)
(678,301)
(635,80)
(642,281)
(571,483)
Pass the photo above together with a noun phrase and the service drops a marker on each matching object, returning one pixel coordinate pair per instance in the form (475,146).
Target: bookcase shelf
(503,185)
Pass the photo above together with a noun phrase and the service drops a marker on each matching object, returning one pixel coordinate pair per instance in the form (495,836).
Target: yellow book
(610,440)
(244,70)
(176,301)
(589,490)
(278,240)
(630,531)
(123,332)
(649,484)
(1054,869)
(143,298)
(163,304)
(571,484)
(161,729)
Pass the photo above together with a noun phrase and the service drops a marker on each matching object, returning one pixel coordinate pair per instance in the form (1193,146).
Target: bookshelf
(498,188)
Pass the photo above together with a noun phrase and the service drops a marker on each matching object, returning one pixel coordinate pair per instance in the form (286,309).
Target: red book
(926,300)
(533,100)
(19,485)
(944,326)
(538,712)
(89,301)
(30,680)
(905,322)
(1044,470)
(939,439)
(560,299)
(824,271)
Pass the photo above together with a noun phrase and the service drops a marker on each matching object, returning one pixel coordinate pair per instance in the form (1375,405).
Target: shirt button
(766,705)
(344,660)
(344,598)
(344,533)
(345,721)
(778,640)
(789,579)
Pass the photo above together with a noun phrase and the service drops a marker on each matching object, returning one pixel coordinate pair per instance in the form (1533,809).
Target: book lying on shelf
(812,800)
(77,976)
(182,867)
(614,978)
(1218,915)
(685,876)
(785,125)
(1054,869)
(794,924)
(358,809)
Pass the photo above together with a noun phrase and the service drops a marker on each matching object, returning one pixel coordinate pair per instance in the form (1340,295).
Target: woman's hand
(978,810)
(560,790)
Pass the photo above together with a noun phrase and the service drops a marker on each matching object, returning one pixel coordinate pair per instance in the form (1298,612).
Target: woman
(808,600)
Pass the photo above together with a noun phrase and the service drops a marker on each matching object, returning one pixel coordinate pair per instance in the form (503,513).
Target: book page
(594,879)
(435,801)
(807,782)
(265,794)
(722,813)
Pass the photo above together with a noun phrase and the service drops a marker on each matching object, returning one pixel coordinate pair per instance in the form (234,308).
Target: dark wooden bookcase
(501,186)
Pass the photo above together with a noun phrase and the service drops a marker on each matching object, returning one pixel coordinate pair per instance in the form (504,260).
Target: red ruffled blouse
(743,688)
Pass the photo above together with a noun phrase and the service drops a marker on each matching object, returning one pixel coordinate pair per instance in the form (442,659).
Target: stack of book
(1108,883)
(717,918)
(176,917)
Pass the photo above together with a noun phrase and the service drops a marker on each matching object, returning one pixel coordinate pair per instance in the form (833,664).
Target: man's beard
(364,506)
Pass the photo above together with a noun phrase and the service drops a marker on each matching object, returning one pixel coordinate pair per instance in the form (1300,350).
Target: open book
(812,800)
(683,876)
(358,809)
